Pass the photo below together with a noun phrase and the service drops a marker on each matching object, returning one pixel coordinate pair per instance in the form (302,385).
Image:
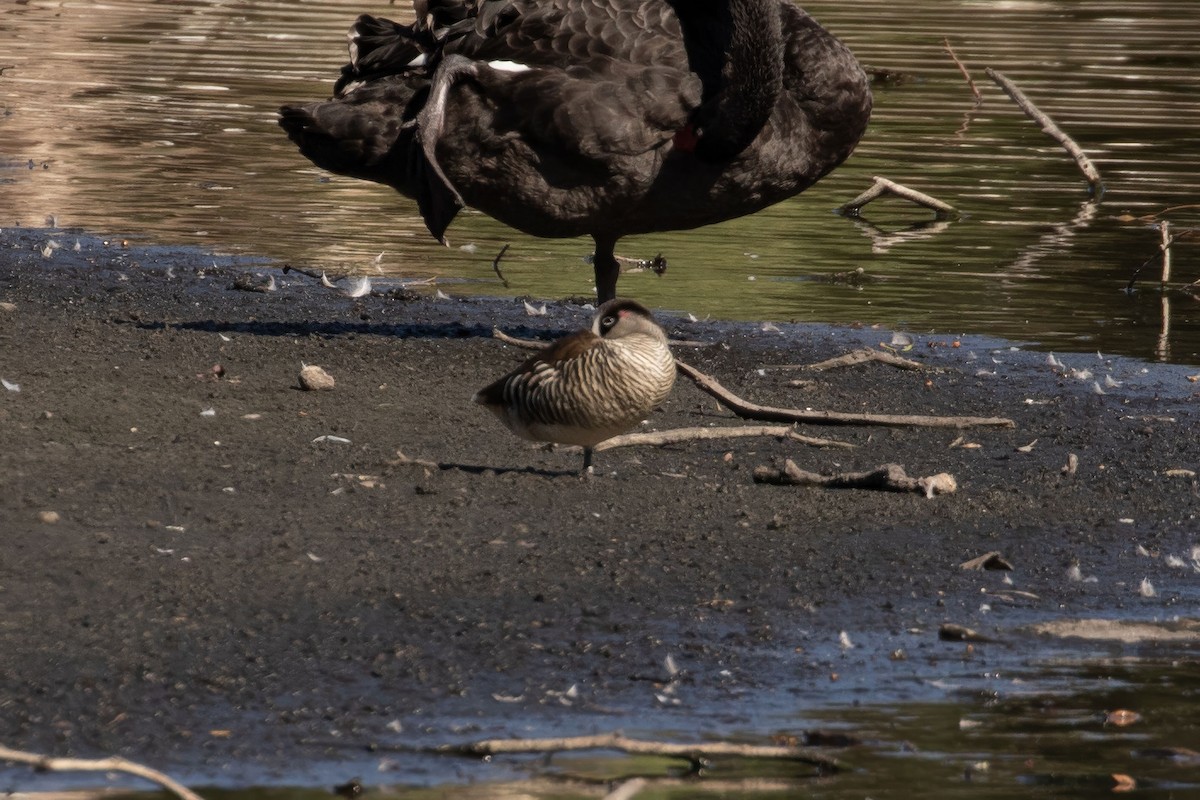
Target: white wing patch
(508,66)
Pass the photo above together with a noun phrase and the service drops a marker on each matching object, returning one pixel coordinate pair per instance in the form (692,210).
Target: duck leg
(607,269)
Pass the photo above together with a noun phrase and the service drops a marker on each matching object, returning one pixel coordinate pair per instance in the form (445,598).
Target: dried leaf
(1121,718)
(1124,783)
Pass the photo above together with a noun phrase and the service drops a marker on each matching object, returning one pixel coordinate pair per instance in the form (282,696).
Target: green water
(157,119)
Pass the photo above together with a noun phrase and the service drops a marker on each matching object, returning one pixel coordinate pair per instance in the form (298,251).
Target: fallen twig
(747,410)
(963,69)
(861,356)
(693,752)
(1050,129)
(889,477)
(496,265)
(884,186)
(676,435)
(112,764)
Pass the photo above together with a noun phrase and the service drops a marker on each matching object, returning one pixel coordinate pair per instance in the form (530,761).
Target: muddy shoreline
(224,594)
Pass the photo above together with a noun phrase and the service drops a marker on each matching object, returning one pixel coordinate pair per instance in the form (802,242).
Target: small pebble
(48,517)
(313,379)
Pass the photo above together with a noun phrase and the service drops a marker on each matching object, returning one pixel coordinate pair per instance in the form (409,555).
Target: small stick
(676,435)
(616,741)
(528,344)
(496,265)
(113,764)
(889,477)
(747,410)
(963,69)
(884,186)
(1164,229)
(1050,129)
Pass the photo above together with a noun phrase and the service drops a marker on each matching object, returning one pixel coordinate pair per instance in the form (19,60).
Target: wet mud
(194,574)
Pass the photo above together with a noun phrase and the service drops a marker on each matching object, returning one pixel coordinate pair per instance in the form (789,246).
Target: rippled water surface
(157,119)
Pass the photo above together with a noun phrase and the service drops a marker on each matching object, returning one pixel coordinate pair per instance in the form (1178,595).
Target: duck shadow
(485,469)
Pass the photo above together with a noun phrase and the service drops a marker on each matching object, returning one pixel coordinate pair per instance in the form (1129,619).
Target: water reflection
(157,119)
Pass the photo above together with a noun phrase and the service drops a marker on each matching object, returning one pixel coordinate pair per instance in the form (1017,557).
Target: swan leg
(607,269)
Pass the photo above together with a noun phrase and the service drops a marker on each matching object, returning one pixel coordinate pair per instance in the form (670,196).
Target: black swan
(600,117)
(589,386)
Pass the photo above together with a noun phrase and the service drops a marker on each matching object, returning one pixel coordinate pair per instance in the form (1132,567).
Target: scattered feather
(12,387)
(1110,382)
(1142,551)
(208,412)
(77,246)
(1027,448)
(328,284)
(1146,588)
(670,665)
(1179,473)
(1097,389)
(440,295)
(507,698)
(313,557)
(1054,362)
(469,248)
(225,338)
(164,551)
(1176,562)
(331,439)
(692,317)
(533,311)
(360,288)
(844,641)
(1072,464)
(395,726)
(770,327)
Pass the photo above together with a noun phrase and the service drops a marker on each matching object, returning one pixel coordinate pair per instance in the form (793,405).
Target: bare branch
(884,186)
(862,356)
(747,410)
(1050,129)
(963,69)
(113,764)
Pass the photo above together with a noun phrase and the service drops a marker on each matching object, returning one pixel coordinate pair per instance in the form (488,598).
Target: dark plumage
(598,117)
(589,386)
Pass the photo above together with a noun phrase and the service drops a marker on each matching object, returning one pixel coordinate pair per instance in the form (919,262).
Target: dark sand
(224,597)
